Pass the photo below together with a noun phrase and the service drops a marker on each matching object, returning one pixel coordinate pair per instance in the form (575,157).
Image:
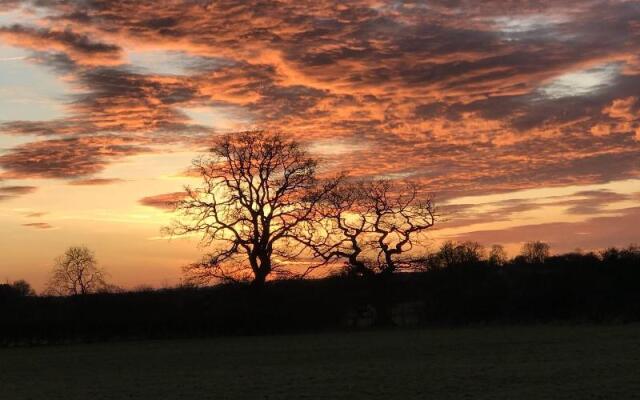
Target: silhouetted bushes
(569,287)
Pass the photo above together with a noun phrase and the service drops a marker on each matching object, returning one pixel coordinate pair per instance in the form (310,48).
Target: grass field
(537,362)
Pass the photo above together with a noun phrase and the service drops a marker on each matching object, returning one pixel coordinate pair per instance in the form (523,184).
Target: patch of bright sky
(514,24)
(28,91)
(170,62)
(335,147)
(223,118)
(142,176)
(107,218)
(160,61)
(10,141)
(150,166)
(117,249)
(396,175)
(22,16)
(582,82)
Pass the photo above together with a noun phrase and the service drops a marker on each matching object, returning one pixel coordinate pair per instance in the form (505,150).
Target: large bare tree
(371,225)
(76,272)
(257,188)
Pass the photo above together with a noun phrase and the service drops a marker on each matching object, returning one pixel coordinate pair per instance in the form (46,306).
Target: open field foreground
(528,362)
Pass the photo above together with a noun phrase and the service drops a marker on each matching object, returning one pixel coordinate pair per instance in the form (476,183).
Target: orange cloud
(466,98)
(78,47)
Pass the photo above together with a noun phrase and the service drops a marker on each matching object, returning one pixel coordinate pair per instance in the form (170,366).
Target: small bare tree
(76,273)
(498,256)
(257,188)
(371,225)
(535,252)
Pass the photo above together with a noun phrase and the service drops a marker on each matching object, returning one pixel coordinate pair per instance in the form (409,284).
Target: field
(528,362)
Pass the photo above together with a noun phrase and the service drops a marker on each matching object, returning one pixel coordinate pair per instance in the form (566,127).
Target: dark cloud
(38,225)
(95,181)
(10,192)
(43,128)
(17,190)
(594,202)
(77,46)
(67,158)
(165,201)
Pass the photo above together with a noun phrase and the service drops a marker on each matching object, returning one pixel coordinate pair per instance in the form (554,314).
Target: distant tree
(76,272)
(497,255)
(23,288)
(610,254)
(257,187)
(20,288)
(535,252)
(615,255)
(453,253)
(371,225)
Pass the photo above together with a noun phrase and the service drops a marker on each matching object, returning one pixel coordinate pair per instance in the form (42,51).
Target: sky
(520,116)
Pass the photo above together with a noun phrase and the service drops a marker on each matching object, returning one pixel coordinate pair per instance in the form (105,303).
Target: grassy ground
(539,362)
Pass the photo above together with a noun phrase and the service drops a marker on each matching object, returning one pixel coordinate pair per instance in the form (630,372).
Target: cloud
(35,214)
(68,157)
(621,229)
(164,201)
(42,128)
(10,192)
(17,190)
(95,181)
(466,98)
(38,225)
(593,202)
(585,203)
(79,47)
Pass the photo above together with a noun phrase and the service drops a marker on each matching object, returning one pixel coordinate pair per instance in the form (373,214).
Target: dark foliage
(569,287)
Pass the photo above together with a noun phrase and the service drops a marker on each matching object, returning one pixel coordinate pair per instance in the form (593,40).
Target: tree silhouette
(257,187)
(498,256)
(76,273)
(19,288)
(535,252)
(23,288)
(452,253)
(371,225)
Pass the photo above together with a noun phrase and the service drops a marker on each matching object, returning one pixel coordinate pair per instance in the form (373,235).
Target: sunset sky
(522,116)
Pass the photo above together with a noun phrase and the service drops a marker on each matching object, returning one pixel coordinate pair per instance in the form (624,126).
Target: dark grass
(516,362)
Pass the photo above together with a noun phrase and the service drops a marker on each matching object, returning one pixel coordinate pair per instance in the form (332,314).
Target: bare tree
(257,188)
(371,225)
(497,255)
(76,273)
(535,252)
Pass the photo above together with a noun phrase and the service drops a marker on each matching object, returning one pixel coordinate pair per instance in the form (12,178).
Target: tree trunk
(383,299)
(259,279)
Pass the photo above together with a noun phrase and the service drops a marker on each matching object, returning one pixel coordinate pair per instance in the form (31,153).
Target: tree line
(462,285)
(77,273)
